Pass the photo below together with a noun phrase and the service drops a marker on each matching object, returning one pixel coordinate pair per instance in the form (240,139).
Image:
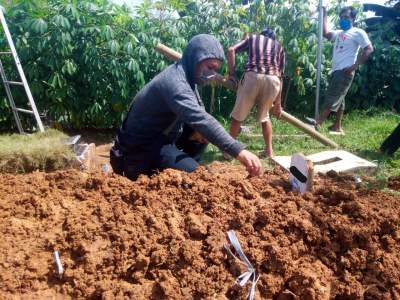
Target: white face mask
(206,77)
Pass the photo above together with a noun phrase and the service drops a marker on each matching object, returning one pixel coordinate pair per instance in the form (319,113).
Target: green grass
(38,151)
(365,131)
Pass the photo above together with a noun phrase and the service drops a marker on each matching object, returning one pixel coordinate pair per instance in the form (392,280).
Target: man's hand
(325,31)
(349,70)
(196,136)
(234,79)
(361,59)
(277,110)
(251,162)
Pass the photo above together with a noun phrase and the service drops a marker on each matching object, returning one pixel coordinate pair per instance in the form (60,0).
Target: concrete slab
(338,160)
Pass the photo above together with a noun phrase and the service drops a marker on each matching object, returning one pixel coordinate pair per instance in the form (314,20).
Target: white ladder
(7,83)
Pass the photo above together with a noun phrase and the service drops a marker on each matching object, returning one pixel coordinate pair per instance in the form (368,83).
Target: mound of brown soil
(162,237)
(394,183)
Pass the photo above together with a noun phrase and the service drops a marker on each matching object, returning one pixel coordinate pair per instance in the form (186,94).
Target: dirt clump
(394,183)
(162,237)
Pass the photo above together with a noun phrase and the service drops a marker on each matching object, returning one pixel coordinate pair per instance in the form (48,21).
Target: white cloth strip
(251,272)
(60,269)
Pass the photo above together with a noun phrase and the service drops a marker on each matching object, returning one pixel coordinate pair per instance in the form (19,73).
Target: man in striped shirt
(261,84)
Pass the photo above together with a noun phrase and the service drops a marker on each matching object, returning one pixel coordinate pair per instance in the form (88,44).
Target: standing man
(261,84)
(167,125)
(346,45)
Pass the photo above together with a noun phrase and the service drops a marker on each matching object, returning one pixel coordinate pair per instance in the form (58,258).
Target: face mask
(345,24)
(206,77)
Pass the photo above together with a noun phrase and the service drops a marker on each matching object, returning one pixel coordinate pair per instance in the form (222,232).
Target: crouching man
(167,125)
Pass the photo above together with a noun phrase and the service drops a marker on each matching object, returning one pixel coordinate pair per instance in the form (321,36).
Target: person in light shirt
(347,43)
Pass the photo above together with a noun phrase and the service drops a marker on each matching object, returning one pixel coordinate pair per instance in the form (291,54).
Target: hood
(199,48)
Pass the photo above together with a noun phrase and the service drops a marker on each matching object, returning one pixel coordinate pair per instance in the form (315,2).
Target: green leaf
(53,80)
(129,48)
(161,65)
(65,23)
(133,39)
(143,52)
(39,26)
(65,37)
(302,59)
(293,43)
(114,46)
(308,82)
(69,8)
(140,77)
(69,67)
(62,21)
(133,65)
(108,32)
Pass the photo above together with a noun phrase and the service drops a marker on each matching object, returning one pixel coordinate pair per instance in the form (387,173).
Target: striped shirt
(265,55)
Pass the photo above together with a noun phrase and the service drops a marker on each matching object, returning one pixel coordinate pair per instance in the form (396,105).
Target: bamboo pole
(308,130)
(168,52)
(173,55)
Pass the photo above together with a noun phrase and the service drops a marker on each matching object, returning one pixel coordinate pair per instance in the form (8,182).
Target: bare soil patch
(162,237)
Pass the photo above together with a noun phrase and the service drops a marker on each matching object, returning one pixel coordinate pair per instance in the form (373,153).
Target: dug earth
(163,237)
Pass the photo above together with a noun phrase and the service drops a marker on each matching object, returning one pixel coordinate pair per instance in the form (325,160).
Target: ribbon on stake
(251,272)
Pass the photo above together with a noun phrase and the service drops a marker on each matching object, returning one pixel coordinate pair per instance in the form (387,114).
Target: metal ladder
(7,83)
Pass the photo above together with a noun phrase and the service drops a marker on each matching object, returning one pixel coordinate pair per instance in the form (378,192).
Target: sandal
(332,128)
(336,132)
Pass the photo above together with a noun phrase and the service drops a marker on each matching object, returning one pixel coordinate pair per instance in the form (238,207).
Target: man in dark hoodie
(167,125)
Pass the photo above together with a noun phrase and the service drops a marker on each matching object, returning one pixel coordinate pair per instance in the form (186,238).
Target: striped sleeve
(282,61)
(241,46)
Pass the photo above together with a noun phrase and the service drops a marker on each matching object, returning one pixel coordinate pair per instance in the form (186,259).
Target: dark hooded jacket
(171,99)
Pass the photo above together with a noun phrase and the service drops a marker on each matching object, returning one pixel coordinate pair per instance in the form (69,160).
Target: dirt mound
(394,183)
(162,237)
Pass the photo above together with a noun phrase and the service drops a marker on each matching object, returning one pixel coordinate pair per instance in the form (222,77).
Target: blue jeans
(182,155)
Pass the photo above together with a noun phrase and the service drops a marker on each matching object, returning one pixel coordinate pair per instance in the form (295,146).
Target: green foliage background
(85,60)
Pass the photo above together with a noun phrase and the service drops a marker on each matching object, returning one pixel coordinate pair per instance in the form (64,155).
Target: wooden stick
(173,55)
(308,130)
(168,52)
